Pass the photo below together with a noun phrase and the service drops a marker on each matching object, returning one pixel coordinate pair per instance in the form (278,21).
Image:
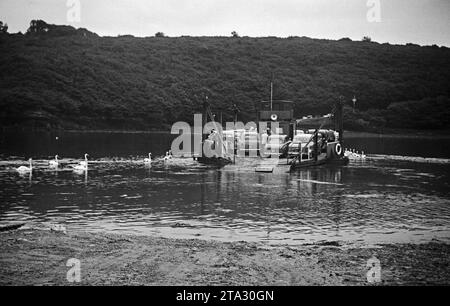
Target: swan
(23,169)
(54,163)
(149,159)
(363,156)
(82,165)
(85,161)
(347,153)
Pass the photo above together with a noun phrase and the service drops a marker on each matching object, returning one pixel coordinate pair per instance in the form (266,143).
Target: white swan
(82,165)
(23,169)
(363,156)
(149,159)
(54,163)
(85,161)
(347,153)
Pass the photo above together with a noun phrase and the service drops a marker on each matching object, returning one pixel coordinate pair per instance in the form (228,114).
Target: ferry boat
(302,142)
(293,142)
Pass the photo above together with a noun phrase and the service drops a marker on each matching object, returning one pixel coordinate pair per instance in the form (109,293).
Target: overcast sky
(423,22)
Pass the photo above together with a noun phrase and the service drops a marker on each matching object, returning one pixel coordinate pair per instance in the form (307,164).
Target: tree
(159,34)
(234,34)
(3,27)
(367,39)
(38,26)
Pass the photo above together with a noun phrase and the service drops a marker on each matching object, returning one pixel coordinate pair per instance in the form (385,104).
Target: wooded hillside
(63,77)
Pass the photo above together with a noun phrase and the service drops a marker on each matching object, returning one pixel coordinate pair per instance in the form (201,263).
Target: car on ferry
(302,142)
(277,144)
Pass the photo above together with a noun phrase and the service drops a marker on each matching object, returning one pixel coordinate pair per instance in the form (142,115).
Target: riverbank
(30,256)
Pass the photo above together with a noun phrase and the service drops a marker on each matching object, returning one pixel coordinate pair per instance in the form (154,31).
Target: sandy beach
(36,256)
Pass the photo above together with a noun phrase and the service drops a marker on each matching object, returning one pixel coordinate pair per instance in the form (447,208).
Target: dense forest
(62,77)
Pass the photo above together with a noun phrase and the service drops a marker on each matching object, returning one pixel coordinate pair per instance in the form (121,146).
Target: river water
(392,196)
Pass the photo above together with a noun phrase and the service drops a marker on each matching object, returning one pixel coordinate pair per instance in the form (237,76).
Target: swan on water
(347,152)
(149,159)
(82,165)
(54,163)
(85,161)
(23,169)
(353,154)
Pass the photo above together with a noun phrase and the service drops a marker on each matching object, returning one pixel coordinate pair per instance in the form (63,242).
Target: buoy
(338,149)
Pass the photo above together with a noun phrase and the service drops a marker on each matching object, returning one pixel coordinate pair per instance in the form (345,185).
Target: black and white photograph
(218,144)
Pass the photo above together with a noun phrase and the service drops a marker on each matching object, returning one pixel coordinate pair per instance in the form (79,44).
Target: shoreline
(400,134)
(350,134)
(23,130)
(36,256)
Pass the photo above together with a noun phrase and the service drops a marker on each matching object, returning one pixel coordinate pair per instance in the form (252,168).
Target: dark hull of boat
(218,161)
(320,161)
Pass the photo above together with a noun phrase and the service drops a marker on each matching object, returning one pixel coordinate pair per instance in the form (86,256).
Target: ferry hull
(333,155)
(312,163)
(218,161)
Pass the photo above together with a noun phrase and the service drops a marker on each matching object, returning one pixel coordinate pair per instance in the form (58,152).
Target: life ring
(338,149)
(273,117)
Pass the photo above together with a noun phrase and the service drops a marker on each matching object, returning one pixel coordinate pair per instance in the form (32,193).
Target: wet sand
(31,256)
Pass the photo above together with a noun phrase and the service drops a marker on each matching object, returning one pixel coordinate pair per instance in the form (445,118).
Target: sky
(423,22)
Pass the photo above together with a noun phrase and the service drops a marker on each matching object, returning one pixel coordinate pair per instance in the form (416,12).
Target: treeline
(58,76)
(425,114)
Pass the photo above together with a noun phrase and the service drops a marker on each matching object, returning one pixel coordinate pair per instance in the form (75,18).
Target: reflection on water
(76,144)
(374,201)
